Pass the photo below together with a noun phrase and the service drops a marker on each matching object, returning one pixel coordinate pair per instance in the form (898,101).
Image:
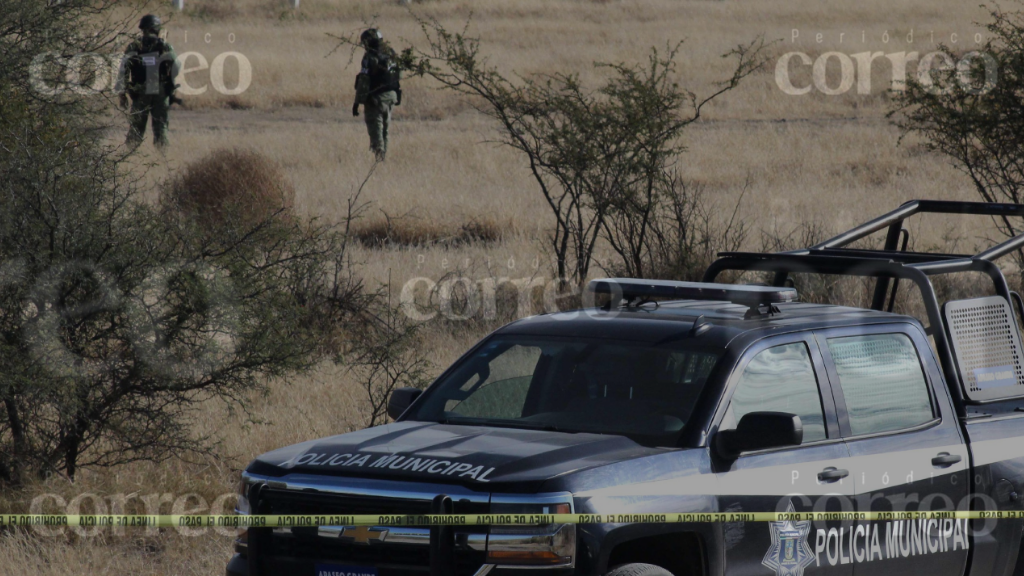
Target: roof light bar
(631,289)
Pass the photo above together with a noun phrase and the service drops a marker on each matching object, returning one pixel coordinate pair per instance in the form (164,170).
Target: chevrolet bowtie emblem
(364,534)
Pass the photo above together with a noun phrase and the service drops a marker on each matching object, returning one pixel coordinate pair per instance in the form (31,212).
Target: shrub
(230,186)
(596,153)
(398,232)
(971,114)
(139,318)
(674,232)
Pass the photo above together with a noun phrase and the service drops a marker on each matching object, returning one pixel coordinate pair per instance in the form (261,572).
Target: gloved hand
(123,100)
(398,102)
(355,109)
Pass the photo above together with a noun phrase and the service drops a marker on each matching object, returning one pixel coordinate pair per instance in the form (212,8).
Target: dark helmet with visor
(371,38)
(150,22)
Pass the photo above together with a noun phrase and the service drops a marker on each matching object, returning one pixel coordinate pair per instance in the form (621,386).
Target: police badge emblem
(789,554)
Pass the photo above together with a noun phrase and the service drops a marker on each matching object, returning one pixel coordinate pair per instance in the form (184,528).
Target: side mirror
(401,399)
(760,431)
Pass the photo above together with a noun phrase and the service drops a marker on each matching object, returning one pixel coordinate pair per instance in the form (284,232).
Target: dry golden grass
(833,160)
(293,64)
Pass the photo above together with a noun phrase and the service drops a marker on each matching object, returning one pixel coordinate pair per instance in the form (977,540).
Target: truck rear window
(645,392)
(882,381)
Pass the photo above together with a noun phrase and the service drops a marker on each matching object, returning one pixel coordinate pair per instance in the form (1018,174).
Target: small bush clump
(230,186)
(394,232)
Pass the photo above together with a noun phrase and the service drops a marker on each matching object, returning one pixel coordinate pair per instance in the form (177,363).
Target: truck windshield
(642,391)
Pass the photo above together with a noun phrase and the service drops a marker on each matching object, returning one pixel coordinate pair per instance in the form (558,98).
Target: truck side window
(780,379)
(882,381)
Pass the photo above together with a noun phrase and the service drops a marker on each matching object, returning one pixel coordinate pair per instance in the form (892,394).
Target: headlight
(543,545)
(242,507)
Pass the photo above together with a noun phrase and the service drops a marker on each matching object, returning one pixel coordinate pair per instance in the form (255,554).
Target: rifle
(170,87)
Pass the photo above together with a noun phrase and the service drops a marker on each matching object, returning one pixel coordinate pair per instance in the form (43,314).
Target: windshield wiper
(502,424)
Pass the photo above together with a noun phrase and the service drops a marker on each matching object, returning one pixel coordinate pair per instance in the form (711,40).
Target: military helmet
(150,22)
(371,38)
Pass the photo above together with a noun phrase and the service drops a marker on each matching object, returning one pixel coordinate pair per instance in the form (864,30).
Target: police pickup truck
(690,397)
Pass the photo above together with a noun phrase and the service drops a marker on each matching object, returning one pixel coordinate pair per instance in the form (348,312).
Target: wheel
(638,570)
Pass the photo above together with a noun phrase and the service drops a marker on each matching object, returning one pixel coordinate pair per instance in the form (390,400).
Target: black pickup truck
(670,397)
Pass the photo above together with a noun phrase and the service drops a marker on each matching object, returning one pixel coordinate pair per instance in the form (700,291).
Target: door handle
(945,460)
(832,474)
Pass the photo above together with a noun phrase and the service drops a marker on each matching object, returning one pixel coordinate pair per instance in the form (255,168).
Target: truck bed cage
(893,263)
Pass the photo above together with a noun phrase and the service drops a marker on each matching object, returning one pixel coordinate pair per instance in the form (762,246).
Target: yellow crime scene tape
(292,521)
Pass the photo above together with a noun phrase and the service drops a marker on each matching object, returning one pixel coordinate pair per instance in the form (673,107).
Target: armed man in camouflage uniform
(147,75)
(377,89)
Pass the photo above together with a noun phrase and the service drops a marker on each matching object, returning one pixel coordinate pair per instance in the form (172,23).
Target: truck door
(783,374)
(907,451)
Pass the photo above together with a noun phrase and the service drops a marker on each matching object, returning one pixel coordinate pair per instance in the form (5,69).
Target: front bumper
(239,566)
(402,551)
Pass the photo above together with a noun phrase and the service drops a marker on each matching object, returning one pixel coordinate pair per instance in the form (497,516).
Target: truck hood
(454,454)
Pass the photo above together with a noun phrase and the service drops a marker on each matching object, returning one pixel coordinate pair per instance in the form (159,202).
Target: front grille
(316,503)
(308,548)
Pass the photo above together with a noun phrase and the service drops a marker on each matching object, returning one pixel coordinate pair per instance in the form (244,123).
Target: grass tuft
(407,232)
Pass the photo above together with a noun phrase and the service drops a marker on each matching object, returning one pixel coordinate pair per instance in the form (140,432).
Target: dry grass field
(834,160)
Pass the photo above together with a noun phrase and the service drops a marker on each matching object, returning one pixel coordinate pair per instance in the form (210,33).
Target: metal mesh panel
(986,344)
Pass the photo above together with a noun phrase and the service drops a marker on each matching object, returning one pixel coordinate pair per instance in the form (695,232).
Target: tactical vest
(383,73)
(148,70)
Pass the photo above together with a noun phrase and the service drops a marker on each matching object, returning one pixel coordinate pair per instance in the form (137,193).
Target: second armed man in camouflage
(378,89)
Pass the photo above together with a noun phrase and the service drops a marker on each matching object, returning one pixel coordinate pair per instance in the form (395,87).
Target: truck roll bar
(835,257)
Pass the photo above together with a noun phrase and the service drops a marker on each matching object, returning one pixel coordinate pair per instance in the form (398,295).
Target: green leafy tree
(120,320)
(601,156)
(969,108)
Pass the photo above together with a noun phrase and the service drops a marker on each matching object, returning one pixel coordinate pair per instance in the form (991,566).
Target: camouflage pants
(378,121)
(143,107)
